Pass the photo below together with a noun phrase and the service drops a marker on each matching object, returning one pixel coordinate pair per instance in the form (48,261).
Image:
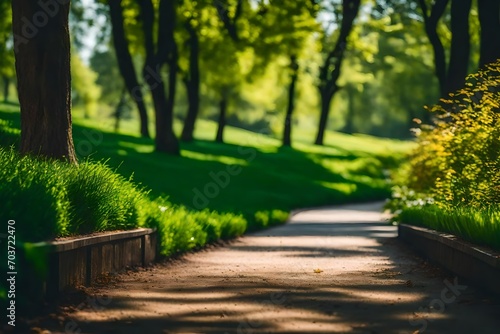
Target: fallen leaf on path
(317,271)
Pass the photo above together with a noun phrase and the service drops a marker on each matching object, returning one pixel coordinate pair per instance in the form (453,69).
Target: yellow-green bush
(452,182)
(457,159)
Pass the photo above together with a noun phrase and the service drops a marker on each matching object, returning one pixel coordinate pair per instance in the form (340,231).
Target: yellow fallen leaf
(317,271)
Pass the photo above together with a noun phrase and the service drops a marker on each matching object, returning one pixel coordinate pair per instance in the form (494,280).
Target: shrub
(264,219)
(457,159)
(452,182)
(181,229)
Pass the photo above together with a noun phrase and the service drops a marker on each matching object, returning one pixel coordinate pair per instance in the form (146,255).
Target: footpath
(329,270)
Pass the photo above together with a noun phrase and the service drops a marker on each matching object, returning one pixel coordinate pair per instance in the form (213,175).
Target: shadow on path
(330,270)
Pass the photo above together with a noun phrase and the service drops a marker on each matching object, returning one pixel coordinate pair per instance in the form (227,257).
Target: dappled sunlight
(135,147)
(335,274)
(346,188)
(218,158)
(344,216)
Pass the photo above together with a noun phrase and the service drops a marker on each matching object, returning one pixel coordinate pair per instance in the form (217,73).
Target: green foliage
(387,76)
(264,219)
(181,229)
(86,92)
(452,182)
(457,160)
(6,50)
(104,64)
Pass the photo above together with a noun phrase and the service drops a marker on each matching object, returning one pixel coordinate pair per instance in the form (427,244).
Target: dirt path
(332,270)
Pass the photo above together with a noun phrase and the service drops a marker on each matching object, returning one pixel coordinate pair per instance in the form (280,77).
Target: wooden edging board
(80,261)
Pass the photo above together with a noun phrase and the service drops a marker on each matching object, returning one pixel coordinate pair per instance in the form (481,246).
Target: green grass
(349,169)
(50,198)
(477,225)
(266,181)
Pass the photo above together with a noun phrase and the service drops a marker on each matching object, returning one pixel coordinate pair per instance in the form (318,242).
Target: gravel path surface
(330,270)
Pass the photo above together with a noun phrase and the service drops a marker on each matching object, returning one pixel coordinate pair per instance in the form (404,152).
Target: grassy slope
(271,177)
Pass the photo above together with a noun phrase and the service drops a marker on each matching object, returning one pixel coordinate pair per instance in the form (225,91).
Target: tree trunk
(460,45)
(119,109)
(431,25)
(42,52)
(192,85)
(326,101)
(222,119)
(331,69)
(287,132)
(166,52)
(6,86)
(172,142)
(125,63)
(230,23)
(489,18)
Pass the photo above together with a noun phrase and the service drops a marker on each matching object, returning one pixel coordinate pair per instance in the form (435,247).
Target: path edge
(479,265)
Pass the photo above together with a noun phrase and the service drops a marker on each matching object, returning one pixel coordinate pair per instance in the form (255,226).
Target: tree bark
(287,131)
(169,48)
(192,85)
(42,53)
(431,24)
(125,63)
(119,109)
(326,101)
(460,45)
(489,18)
(222,119)
(165,53)
(231,24)
(331,69)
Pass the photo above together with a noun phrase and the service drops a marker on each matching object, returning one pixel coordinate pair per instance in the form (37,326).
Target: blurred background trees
(267,65)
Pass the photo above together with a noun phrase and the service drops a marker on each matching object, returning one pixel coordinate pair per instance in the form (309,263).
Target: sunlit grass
(264,177)
(477,225)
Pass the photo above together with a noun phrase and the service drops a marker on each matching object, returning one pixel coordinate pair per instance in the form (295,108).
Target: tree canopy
(353,66)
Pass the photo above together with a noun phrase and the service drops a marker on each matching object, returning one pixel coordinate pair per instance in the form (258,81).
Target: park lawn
(250,174)
(350,169)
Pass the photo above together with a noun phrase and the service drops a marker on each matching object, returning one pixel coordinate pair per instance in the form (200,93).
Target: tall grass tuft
(477,225)
(101,199)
